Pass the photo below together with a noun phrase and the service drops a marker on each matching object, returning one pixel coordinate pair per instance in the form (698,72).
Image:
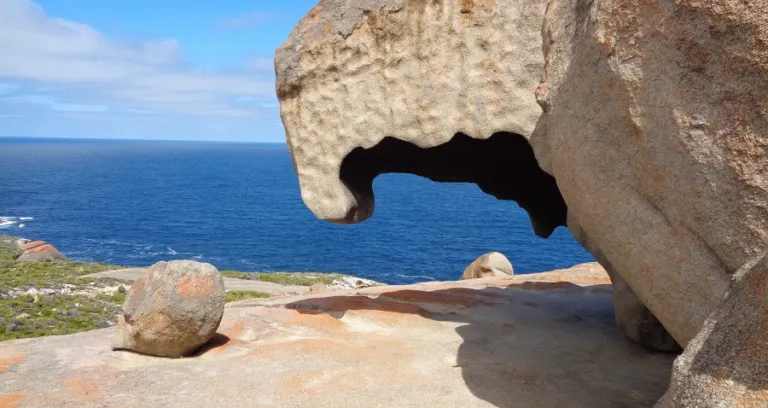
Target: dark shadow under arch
(503,166)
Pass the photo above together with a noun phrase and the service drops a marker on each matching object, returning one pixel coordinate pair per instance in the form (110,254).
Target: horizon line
(136,139)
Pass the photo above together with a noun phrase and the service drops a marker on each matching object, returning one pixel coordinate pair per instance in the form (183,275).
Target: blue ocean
(238,206)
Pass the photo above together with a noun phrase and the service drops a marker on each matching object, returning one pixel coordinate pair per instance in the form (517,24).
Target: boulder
(490,265)
(470,124)
(171,310)
(726,364)
(40,251)
(658,145)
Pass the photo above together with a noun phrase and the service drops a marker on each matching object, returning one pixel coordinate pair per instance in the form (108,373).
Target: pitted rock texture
(171,310)
(355,72)
(655,126)
(726,364)
(544,340)
(490,265)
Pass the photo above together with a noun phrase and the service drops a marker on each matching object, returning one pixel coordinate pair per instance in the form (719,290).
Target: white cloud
(37,49)
(262,64)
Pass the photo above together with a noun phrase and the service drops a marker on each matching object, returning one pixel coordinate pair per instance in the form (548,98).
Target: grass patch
(235,295)
(50,275)
(9,250)
(23,316)
(286,278)
(36,316)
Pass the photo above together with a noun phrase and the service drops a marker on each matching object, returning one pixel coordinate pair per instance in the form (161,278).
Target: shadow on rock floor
(480,343)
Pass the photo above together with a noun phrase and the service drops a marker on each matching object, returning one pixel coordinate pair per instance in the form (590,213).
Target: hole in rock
(503,166)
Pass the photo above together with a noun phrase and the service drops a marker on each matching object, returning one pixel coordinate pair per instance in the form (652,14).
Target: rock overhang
(353,74)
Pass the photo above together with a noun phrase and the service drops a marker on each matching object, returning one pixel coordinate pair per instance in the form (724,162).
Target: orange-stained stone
(84,387)
(316,320)
(141,282)
(307,347)
(41,248)
(11,400)
(310,381)
(30,245)
(196,287)
(8,358)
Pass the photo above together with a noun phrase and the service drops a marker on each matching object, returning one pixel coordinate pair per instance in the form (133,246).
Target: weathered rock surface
(544,340)
(355,72)
(490,265)
(396,86)
(39,251)
(171,310)
(655,126)
(726,364)
(632,317)
(317,288)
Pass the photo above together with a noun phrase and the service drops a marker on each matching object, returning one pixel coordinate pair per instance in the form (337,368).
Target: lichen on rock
(172,310)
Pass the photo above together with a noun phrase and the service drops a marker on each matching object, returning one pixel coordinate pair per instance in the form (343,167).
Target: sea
(238,206)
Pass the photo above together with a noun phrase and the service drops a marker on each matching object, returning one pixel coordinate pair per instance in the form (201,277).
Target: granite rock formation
(439,89)
(652,135)
(545,340)
(417,74)
(171,310)
(39,251)
(726,364)
(655,127)
(490,265)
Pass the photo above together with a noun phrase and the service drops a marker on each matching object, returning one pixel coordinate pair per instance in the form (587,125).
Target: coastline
(53,296)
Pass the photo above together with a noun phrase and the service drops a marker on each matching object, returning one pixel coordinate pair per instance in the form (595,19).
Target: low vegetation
(51,298)
(286,278)
(235,295)
(46,298)
(8,248)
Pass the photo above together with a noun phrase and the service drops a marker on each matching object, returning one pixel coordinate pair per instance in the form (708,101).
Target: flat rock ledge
(543,340)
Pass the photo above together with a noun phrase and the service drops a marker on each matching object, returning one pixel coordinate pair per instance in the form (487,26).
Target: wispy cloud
(262,64)
(246,21)
(87,71)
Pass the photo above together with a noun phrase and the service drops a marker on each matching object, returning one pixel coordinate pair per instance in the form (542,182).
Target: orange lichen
(30,245)
(195,286)
(84,387)
(11,400)
(8,358)
(40,248)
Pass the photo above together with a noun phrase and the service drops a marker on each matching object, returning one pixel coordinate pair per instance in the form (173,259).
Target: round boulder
(490,265)
(171,310)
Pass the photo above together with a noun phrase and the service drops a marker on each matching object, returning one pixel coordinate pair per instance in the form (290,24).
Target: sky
(143,69)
